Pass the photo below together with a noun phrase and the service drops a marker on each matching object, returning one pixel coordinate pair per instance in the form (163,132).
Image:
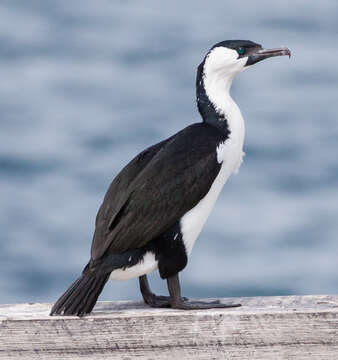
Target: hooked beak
(262,54)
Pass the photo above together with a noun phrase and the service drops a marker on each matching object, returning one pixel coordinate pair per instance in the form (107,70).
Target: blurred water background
(86,85)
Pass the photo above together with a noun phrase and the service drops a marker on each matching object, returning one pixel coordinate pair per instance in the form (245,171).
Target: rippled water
(87,85)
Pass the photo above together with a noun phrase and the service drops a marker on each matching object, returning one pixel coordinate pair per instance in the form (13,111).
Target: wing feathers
(156,189)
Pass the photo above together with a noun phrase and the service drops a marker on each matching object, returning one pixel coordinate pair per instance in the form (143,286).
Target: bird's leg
(177,302)
(149,297)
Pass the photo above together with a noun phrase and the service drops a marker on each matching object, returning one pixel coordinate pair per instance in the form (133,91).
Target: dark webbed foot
(186,304)
(175,301)
(159,301)
(149,297)
(178,302)
(156,301)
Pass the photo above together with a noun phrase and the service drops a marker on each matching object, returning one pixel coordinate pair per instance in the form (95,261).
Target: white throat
(217,88)
(218,77)
(220,68)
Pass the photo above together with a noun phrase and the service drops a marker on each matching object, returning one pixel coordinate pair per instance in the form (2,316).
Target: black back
(156,189)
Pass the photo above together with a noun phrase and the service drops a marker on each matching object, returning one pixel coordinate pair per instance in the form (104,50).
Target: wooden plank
(291,327)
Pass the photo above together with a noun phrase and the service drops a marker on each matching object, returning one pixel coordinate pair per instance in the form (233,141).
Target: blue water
(85,85)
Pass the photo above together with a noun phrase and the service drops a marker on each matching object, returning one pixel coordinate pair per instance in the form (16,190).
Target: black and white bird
(157,205)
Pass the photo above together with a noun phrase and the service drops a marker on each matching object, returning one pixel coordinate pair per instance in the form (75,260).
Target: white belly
(145,266)
(230,154)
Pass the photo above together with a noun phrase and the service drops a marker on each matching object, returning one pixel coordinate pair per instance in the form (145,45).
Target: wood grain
(291,327)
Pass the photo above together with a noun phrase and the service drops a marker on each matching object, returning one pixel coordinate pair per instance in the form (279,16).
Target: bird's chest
(229,155)
(193,221)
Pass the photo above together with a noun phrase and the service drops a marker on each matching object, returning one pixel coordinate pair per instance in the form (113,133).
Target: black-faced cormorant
(157,205)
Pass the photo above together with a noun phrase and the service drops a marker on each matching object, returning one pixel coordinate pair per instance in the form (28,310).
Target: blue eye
(241,51)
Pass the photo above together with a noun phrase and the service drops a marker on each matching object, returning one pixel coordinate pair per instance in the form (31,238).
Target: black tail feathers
(81,296)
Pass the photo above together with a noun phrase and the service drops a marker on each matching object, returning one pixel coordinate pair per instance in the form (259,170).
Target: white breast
(229,154)
(144,266)
(193,221)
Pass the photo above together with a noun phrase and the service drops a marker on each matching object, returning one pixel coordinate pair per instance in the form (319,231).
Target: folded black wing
(156,189)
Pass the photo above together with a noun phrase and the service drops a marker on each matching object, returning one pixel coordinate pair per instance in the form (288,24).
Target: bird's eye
(241,51)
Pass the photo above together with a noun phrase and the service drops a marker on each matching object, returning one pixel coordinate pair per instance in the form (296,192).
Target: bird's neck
(215,104)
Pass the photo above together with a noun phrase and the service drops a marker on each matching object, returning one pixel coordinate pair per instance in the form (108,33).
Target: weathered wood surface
(292,327)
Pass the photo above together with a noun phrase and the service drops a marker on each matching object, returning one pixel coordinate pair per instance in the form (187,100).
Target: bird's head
(221,64)
(228,58)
